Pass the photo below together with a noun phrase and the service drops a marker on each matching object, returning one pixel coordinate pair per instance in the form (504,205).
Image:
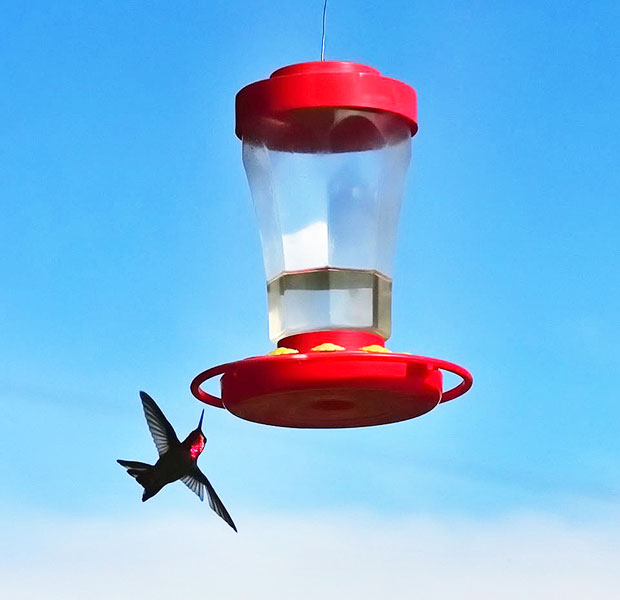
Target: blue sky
(131,258)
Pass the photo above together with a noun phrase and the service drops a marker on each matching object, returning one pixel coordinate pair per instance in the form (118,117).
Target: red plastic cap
(265,107)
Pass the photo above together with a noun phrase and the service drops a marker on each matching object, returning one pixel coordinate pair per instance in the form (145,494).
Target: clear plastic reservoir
(327,191)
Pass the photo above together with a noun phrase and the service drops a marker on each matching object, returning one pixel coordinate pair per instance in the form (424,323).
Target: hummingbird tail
(144,475)
(138,470)
(150,491)
(134,468)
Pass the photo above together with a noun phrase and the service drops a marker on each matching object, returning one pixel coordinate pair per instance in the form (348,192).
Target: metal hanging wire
(323,35)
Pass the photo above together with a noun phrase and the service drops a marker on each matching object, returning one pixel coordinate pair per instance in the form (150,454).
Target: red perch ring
(331,389)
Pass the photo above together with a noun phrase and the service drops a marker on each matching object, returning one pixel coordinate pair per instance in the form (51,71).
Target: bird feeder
(326,148)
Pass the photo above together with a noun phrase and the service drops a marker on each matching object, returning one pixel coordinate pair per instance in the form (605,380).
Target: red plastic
(309,87)
(349,340)
(345,388)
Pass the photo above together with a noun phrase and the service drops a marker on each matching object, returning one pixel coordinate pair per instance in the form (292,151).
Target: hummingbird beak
(200,422)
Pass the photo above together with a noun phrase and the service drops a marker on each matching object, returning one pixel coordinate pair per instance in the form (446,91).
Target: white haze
(307,557)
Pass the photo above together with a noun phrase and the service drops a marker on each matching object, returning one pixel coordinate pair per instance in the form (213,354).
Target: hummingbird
(177,460)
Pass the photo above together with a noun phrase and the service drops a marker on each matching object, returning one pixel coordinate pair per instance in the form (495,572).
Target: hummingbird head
(197,439)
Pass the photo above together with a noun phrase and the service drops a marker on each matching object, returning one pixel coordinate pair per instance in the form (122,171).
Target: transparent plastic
(328,218)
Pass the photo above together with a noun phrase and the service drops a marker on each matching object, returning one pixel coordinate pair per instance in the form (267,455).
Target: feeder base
(331,389)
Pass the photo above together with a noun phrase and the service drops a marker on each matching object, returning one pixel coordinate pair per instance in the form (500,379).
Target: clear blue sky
(130,258)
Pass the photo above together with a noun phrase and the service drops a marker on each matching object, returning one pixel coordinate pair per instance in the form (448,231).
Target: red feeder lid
(320,85)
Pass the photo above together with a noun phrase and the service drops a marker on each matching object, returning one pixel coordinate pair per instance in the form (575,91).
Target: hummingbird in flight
(177,460)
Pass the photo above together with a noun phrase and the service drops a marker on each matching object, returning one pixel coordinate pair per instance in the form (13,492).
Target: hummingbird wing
(194,485)
(160,428)
(195,482)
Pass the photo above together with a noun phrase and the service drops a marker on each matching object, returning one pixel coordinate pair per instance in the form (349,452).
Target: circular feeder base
(331,389)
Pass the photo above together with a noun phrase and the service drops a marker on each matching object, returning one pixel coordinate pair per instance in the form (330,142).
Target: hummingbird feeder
(326,147)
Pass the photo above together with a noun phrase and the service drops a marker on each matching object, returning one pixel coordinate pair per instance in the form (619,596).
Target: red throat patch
(197,447)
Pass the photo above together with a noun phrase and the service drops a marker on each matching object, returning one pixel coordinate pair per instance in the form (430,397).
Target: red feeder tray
(345,388)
